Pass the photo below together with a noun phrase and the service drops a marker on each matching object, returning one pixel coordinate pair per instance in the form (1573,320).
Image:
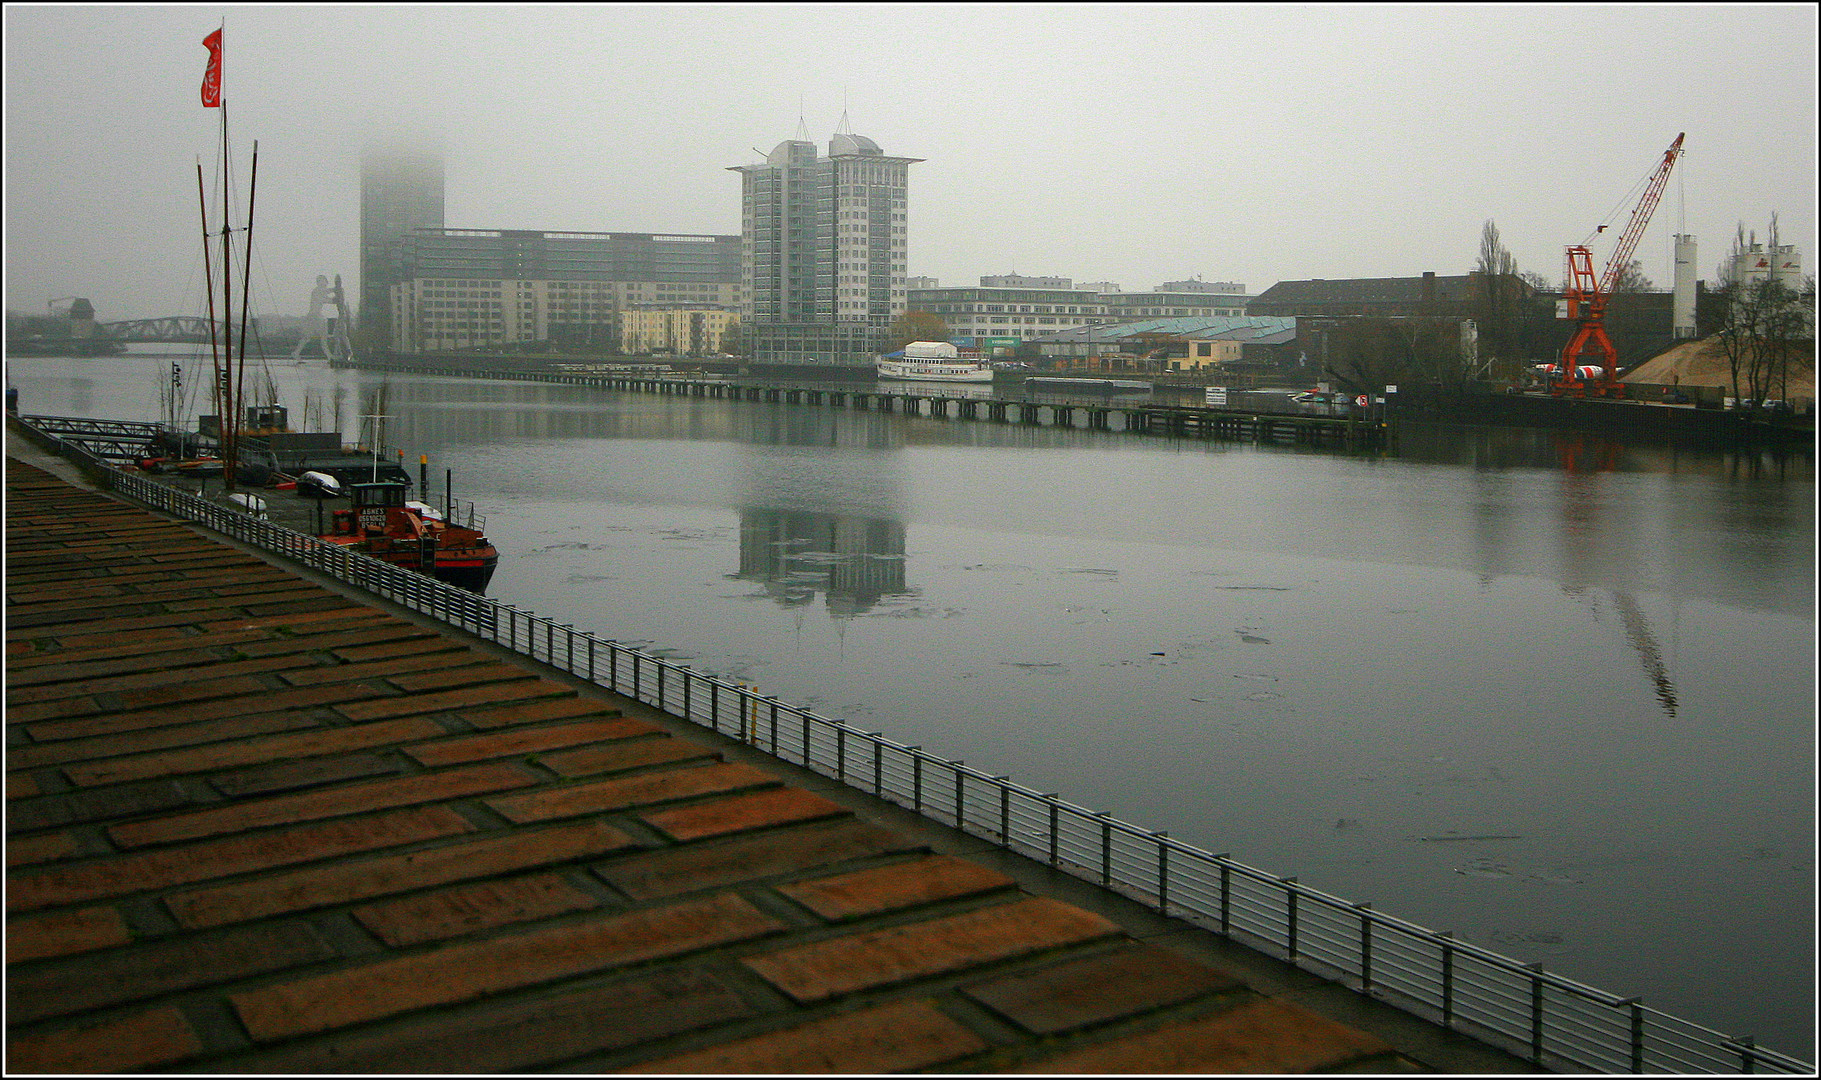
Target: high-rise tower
(823,249)
(401,189)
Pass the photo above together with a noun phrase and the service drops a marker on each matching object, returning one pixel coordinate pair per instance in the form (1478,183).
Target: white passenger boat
(936,361)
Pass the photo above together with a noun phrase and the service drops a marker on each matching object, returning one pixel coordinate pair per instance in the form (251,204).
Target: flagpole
(226,395)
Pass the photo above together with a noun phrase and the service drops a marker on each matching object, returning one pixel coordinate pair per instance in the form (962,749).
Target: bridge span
(172,328)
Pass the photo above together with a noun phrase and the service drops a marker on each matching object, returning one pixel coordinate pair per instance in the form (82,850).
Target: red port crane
(1586,298)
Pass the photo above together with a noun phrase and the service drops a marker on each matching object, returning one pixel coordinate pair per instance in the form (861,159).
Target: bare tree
(916,326)
(1631,279)
(1763,324)
(1364,355)
(1498,296)
(1735,320)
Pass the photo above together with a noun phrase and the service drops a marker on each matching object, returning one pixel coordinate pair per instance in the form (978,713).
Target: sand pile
(1703,363)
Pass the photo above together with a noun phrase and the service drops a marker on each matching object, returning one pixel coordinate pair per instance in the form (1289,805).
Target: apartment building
(823,250)
(481,288)
(659,332)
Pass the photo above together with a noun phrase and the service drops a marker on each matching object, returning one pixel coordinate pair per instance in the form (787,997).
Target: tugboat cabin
(372,508)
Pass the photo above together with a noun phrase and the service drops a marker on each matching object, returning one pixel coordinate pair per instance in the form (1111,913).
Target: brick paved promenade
(257,824)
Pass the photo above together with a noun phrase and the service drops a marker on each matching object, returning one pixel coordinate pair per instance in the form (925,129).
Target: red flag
(211,75)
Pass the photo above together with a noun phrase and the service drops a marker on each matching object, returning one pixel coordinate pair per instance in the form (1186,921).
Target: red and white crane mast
(1587,295)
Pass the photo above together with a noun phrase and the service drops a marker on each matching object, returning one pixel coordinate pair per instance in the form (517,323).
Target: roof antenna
(802,134)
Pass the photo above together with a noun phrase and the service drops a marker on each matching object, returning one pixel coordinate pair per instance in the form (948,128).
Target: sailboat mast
(230,415)
(246,270)
(208,277)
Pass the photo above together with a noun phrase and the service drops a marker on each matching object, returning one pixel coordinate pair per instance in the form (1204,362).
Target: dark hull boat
(381,523)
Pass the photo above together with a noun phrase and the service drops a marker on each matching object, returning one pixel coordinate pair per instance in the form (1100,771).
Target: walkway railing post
(1447,939)
(960,810)
(1163,872)
(1636,1006)
(1536,1013)
(1290,897)
(1226,900)
(1106,846)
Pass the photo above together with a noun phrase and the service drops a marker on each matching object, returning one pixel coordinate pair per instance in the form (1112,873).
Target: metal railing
(1554,1022)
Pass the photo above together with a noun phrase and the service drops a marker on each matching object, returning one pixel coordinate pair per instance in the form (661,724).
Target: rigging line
(1607,222)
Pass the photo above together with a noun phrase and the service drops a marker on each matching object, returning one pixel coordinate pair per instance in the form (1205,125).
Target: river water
(1553,693)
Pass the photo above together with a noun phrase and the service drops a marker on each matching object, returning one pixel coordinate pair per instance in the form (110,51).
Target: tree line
(1763,325)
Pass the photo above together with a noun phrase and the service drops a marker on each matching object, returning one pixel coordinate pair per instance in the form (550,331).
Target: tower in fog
(401,189)
(823,249)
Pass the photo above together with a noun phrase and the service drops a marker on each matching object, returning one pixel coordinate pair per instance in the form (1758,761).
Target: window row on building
(1022,311)
(433,314)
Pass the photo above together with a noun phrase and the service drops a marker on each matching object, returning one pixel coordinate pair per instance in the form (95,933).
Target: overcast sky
(1130,143)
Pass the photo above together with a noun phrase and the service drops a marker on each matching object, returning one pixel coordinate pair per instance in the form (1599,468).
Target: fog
(1136,144)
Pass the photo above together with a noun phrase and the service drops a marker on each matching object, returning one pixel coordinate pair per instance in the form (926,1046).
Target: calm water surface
(1554,694)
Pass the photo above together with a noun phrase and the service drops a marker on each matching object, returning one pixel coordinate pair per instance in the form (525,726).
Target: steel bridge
(173,328)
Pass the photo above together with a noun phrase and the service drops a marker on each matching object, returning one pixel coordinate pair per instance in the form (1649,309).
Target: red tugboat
(380,523)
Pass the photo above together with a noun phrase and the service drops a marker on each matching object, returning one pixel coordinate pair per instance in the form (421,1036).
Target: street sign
(1217,395)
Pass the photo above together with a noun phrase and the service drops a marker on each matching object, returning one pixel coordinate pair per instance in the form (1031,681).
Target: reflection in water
(852,561)
(1582,458)
(1578,452)
(1637,632)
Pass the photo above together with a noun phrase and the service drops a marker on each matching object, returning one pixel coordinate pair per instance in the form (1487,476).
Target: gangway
(110,440)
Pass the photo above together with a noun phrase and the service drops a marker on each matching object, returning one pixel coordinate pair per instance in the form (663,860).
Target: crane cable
(1630,198)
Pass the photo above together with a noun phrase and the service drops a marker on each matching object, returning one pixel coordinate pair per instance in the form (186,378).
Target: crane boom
(1587,295)
(1640,218)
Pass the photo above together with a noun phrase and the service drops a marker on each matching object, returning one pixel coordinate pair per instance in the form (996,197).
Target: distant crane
(1586,298)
